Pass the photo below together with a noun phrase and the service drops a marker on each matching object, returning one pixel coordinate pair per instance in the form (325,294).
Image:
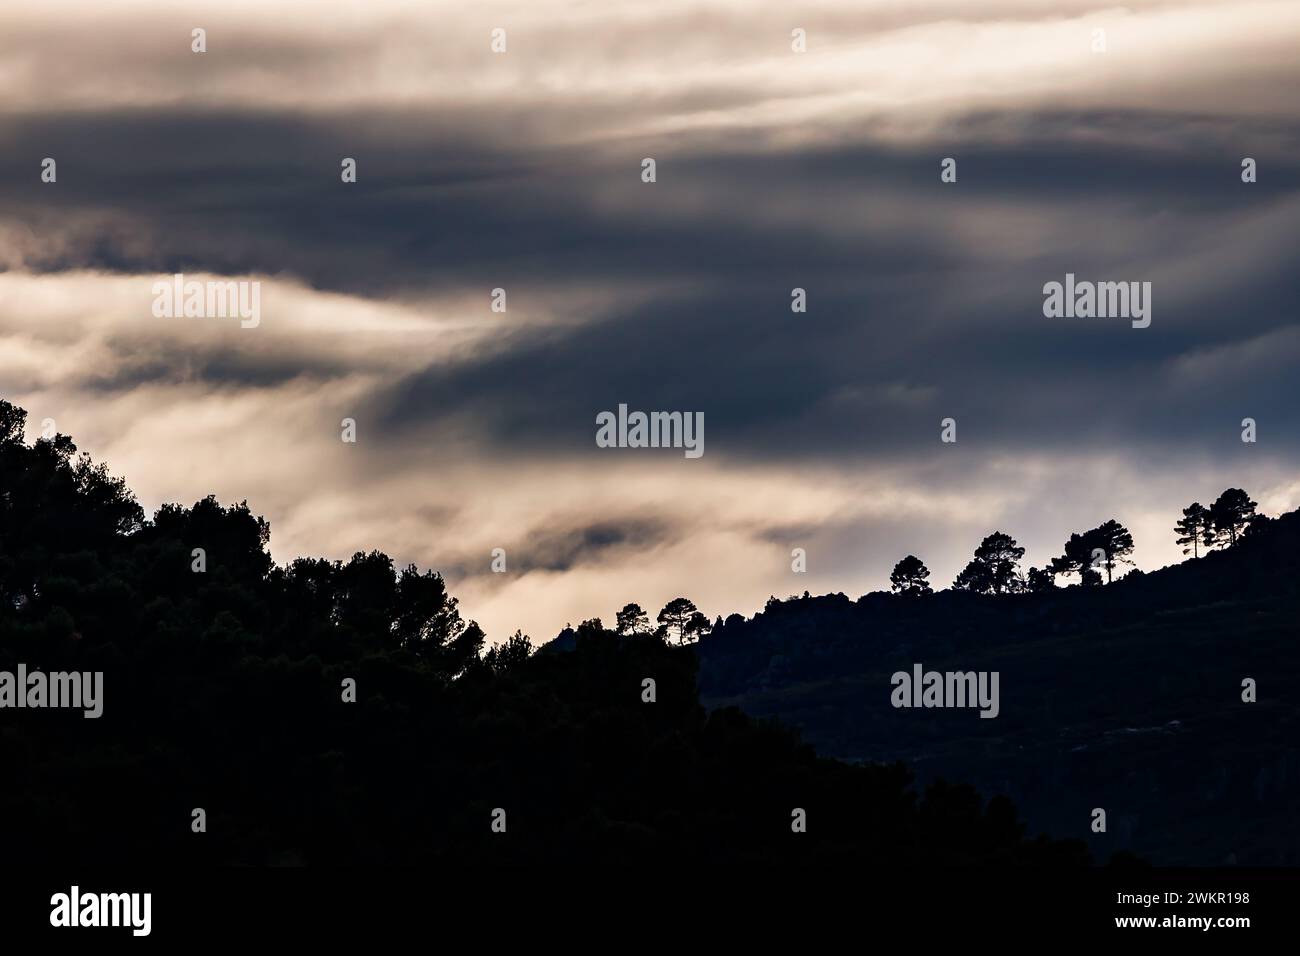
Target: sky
(1092,139)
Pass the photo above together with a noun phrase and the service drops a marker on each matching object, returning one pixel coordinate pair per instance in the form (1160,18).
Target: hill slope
(1126,697)
(225,689)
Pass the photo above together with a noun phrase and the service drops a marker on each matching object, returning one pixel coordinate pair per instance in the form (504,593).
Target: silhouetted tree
(1257,525)
(1076,559)
(995,567)
(1040,580)
(1231,513)
(513,652)
(698,626)
(675,614)
(592,632)
(631,620)
(1104,546)
(1195,528)
(1114,541)
(13,421)
(426,621)
(910,577)
(974,577)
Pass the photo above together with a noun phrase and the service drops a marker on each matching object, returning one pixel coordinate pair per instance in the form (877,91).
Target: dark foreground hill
(226,686)
(1126,697)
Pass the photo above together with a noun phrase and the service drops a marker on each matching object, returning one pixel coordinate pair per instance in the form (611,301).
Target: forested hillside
(1127,696)
(345,712)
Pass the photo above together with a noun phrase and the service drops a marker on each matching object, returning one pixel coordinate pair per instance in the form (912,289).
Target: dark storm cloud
(439,200)
(775,170)
(924,300)
(900,335)
(564,548)
(565,545)
(165,362)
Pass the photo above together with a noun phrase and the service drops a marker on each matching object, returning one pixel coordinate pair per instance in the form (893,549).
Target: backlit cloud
(775,170)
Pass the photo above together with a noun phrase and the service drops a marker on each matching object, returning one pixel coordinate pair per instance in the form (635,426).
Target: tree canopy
(911,577)
(995,568)
(1231,513)
(344,711)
